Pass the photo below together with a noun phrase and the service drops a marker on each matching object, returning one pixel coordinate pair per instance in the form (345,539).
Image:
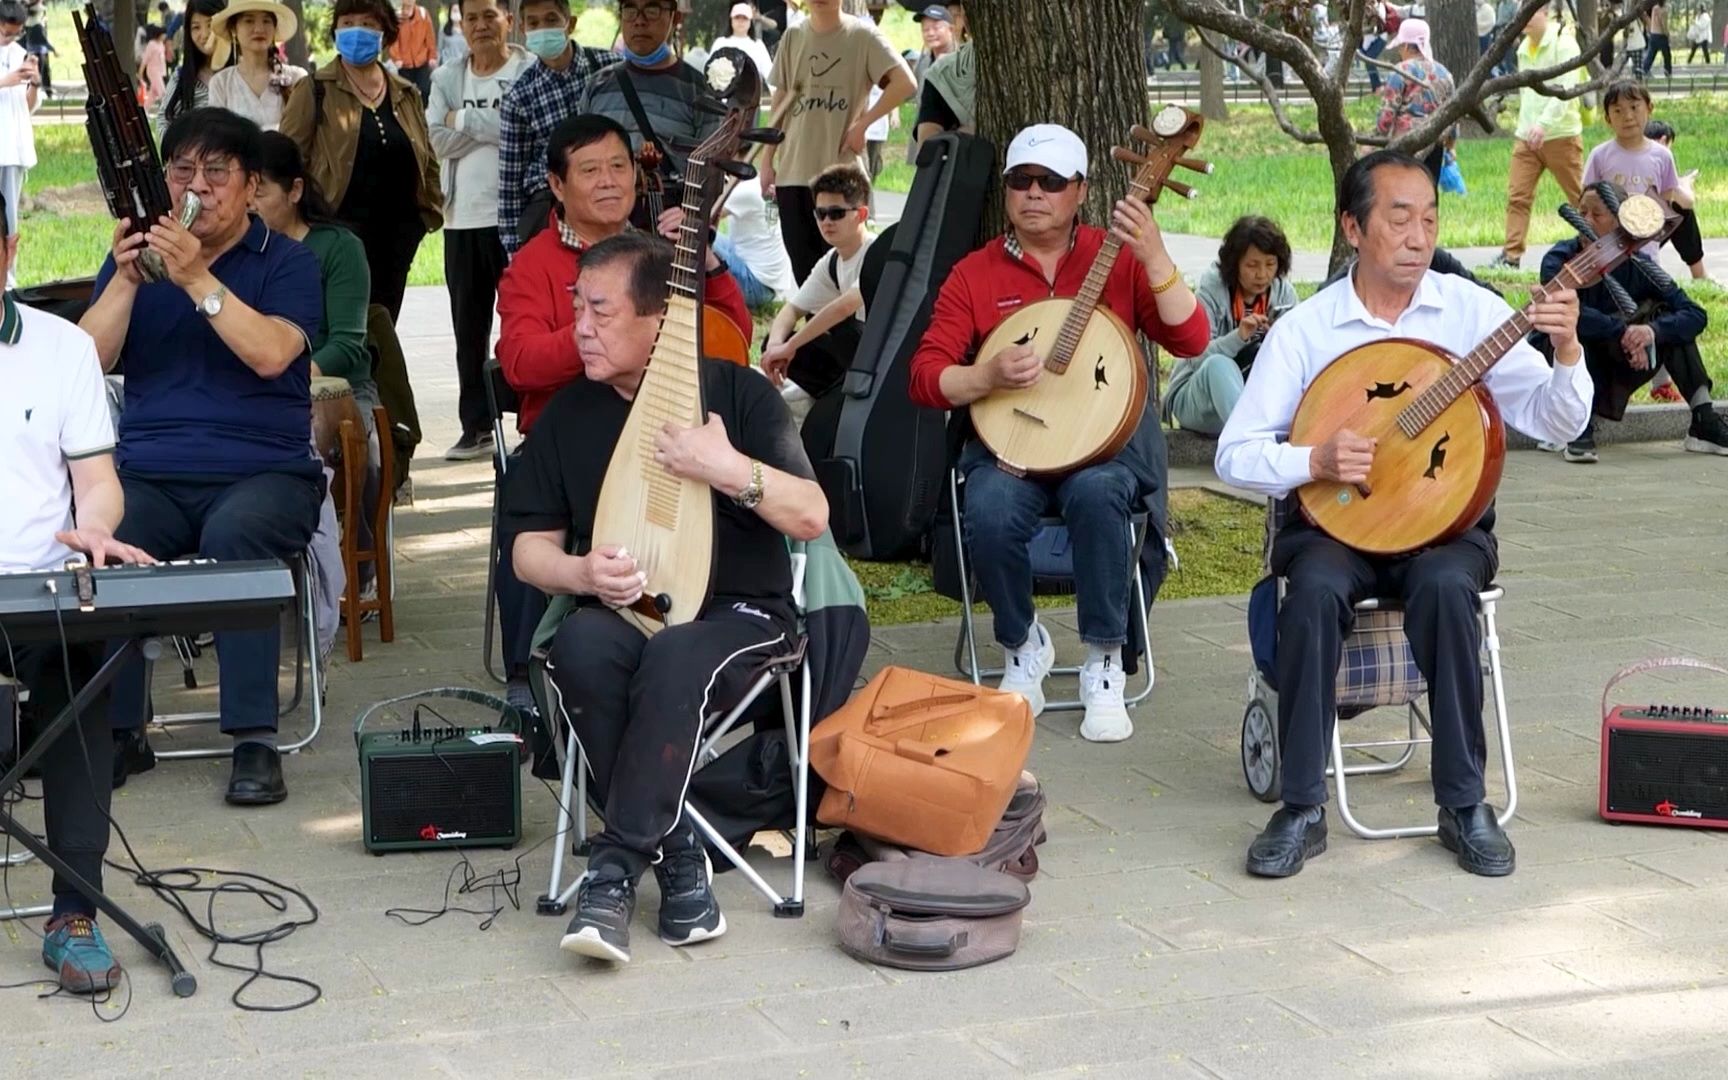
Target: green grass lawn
(1257,169)
(1218,540)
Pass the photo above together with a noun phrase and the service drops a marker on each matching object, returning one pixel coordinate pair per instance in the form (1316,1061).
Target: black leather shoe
(1289,839)
(132,755)
(1482,845)
(257,777)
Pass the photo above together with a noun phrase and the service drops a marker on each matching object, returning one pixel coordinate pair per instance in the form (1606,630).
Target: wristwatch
(751,497)
(211,305)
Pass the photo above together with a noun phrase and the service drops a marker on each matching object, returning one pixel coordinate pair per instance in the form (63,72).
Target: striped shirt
(539,101)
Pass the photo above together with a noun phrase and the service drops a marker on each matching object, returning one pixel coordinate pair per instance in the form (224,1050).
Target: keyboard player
(55,417)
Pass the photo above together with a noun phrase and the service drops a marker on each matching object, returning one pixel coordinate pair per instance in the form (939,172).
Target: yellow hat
(222,46)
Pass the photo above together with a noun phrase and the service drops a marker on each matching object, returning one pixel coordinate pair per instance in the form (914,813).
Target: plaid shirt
(539,101)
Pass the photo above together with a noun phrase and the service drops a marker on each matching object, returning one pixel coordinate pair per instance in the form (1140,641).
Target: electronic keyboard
(187,597)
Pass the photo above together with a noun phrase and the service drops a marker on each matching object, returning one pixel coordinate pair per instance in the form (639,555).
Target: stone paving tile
(1643,1024)
(1159,978)
(622,1047)
(329,1064)
(1437,943)
(1450,1050)
(1380,999)
(1673,964)
(694,986)
(1161,1034)
(1279,910)
(946,1056)
(1537,886)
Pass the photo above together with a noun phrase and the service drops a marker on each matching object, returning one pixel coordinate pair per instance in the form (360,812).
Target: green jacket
(1558,119)
(339,350)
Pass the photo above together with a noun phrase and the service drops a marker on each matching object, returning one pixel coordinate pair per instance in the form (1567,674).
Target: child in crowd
(1688,241)
(1242,293)
(815,357)
(1636,162)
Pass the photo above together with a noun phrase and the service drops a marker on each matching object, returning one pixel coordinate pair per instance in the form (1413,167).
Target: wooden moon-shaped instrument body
(666,524)
(1080,415)
(1420,491)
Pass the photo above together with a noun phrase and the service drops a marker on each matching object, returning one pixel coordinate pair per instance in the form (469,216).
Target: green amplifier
(432,783)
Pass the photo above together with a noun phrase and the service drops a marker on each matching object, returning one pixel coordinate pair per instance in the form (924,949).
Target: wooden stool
(350,504)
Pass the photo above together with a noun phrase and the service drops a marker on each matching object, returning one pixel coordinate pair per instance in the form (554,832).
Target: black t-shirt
(555,484)
(933,108)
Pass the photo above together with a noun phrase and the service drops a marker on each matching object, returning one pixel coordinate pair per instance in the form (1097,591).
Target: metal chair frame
(966,644)
(308,669)
(499,405)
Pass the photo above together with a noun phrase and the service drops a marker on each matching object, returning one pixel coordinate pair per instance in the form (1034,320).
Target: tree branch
(1268,88)
(1351,26)
(1212,15)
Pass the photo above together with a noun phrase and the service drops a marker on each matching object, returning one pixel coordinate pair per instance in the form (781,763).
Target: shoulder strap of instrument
(628,86)
(834,267)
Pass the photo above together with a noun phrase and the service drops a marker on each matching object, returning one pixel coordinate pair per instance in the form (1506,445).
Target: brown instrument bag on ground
(1012,848)
(922,761)
(931,914)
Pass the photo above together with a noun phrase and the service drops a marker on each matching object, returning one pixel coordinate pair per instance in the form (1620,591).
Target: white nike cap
(1050,145)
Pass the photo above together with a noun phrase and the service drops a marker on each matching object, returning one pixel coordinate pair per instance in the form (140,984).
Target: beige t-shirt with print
(830,75)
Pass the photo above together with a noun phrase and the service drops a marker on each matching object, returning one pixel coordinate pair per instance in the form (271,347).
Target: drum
(332,403)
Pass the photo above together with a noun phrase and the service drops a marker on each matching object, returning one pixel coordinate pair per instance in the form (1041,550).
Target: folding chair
(500,399)
(795,711)
(1378,670)
(1052,575)
(308,677)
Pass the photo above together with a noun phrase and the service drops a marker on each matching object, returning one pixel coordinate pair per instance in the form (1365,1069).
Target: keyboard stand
(151,936)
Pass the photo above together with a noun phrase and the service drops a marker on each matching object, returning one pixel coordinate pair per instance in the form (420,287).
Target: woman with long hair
(203,55)
(363,134)
(257,85)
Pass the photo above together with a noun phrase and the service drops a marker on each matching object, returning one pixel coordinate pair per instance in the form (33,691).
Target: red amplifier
(1664,764)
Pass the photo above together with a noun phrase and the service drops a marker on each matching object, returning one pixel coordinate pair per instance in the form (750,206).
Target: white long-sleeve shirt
(1448,311)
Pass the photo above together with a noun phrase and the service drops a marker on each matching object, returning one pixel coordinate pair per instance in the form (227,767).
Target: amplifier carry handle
(509,718)
(1652,665)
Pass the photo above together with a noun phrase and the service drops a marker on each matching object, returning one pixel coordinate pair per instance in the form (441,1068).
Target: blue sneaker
(74,950)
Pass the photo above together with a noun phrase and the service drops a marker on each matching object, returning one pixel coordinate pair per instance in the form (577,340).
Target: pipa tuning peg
(1181,189)
(738,170)
(1142,133)
(1195,165)
(766,135)
(1122,153)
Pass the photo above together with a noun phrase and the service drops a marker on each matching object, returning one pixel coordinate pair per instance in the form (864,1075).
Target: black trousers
(1438,588)
(390,248)
(267,516)
(804,243)
(473,262)
(76,790)
(637,705)
(1687,240)
(421,77)
(1615,379)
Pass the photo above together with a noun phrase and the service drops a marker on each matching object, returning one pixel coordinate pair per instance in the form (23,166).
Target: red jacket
(989,283)
(537,339)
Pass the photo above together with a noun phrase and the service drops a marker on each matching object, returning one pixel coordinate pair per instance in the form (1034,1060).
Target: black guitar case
(884,476)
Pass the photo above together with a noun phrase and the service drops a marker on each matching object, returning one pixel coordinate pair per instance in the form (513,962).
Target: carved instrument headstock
(1174,132)
(1642,220)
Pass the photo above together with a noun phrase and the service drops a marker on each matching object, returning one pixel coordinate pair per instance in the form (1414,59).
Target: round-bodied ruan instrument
(1440,442)
(1092,393)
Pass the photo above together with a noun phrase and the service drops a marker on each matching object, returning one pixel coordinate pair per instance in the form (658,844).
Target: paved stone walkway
(1147,951)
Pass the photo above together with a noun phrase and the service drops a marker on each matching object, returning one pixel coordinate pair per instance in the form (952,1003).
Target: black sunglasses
(1050,182)
(834,213)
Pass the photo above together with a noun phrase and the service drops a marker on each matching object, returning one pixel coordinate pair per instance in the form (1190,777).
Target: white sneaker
(1550,447)
(1101,690)
(1024,668)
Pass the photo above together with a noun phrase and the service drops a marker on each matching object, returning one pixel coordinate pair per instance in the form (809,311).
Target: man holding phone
(20,93)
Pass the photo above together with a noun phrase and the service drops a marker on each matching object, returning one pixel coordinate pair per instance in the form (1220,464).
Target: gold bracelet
(1168,283)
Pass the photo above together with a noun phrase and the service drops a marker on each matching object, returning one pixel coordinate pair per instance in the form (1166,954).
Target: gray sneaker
(689,911)
(472,445)
(601,925)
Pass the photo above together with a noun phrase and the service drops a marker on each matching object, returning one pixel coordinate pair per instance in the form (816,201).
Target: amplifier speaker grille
(471,793)
(1646,768)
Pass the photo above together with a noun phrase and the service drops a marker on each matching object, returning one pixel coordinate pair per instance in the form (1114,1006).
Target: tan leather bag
(922,761)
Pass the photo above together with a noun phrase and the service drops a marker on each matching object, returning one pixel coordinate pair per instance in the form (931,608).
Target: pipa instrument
(1441,442)
(1092,393)
(721,337)
(665,522)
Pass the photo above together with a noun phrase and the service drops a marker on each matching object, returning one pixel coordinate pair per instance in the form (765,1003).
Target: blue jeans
(1001,515)
(270,515)
(756,294)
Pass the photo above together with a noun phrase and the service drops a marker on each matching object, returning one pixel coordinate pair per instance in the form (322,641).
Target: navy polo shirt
(193,408)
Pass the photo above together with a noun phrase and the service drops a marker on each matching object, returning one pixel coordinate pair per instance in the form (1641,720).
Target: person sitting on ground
(1048,252)
(1688,240)
(637,703)
(64,499)
(816,356)
(1247,288)
(215,440)
(1623,355)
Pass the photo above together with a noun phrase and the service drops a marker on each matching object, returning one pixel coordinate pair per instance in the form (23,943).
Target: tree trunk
(1212,105)
(1334,124)
(1057,61)
(1455,43)
(1718,23)
(124,26)
(296,45)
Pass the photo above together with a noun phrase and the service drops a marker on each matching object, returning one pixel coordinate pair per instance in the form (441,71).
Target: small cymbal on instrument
(1641,216)
(1170,120)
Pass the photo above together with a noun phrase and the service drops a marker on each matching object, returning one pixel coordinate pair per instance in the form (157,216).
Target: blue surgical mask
(654,59)
(548,43)
(359,45)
